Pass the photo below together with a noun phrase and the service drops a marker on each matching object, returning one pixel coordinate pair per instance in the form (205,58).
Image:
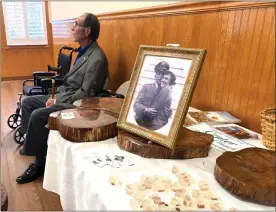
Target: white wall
(71,9)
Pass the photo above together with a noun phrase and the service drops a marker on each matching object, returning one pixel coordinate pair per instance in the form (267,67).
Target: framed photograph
(160,91)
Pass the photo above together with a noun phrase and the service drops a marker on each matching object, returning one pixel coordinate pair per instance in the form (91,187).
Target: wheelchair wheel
(14,121)
(18,137)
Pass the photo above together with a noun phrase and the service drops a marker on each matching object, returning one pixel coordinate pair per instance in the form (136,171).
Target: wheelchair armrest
(32,90)
(52,68)
(47,83)
(27,80)
(43,73)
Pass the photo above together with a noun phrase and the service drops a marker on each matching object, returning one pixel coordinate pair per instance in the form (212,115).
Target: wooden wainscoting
(22,61)
(238,72)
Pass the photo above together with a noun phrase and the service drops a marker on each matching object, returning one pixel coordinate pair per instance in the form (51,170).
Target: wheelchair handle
(68,48)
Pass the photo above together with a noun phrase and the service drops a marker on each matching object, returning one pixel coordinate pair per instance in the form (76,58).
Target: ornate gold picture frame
(160,91)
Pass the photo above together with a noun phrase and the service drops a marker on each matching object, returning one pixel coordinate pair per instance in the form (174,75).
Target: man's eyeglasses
(77,24)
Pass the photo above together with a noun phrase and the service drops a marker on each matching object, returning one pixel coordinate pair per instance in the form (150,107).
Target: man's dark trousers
(34,120)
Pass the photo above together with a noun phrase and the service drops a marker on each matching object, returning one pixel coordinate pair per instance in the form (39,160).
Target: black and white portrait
(158,92)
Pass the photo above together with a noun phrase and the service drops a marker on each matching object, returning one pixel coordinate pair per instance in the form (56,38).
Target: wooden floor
(30,196)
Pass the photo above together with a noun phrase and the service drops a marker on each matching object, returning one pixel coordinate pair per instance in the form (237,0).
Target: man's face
(165,80)
(160,72)
(158,77)
(79,31)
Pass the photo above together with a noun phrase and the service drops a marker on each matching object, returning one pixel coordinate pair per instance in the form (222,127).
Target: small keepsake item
(69,115)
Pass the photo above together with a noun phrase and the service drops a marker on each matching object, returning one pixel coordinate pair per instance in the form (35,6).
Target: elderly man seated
(87,75)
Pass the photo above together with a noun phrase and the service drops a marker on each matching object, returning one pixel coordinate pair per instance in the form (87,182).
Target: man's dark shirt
(81,51)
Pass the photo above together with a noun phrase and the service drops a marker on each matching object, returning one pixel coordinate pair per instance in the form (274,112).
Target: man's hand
(150,112)
(168,112)
(50,102)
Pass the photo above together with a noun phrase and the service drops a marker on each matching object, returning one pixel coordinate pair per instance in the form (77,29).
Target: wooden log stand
(94,120)
(89,125)
(190,144)
(248,174)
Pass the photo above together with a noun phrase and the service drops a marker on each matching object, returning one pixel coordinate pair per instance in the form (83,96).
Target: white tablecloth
(83,186)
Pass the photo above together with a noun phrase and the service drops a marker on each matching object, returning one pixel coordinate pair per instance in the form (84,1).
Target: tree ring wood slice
(248,174)
(89,125)
(193,145)
(100,102)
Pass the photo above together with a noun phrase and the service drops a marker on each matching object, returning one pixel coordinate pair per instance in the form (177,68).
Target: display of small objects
(147,193)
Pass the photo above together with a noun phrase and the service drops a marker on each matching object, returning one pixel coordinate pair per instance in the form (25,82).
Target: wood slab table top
(248,174)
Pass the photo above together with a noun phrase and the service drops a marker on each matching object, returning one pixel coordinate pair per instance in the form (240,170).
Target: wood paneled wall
(22,61)
(238,72)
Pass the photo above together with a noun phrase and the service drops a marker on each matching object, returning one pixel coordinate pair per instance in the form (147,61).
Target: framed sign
(160,91)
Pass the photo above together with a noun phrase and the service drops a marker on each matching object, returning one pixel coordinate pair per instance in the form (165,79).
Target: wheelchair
(41,85)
